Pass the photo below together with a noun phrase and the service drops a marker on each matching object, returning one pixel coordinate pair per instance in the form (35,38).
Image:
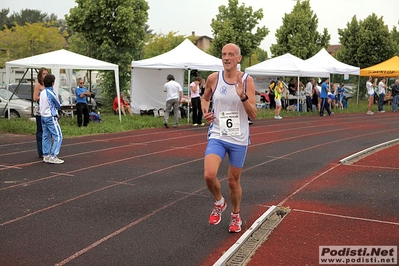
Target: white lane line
(347,217)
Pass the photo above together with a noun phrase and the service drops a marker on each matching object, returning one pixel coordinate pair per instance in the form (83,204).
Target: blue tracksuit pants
(51,129)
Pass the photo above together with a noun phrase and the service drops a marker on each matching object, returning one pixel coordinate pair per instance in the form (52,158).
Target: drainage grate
(243,255)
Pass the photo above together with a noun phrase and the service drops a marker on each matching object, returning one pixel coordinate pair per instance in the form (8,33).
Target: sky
(187,16)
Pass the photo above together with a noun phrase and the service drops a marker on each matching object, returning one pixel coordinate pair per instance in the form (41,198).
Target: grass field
(110,122)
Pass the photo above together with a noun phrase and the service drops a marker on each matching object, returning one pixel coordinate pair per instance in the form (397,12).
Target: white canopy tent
(63,59)
(149,75)
(325,60)
(287,65)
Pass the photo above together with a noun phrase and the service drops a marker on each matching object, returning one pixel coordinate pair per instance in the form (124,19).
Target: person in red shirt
(125,106)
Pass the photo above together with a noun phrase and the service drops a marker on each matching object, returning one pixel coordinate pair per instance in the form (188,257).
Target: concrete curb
(359,154)
(230,252)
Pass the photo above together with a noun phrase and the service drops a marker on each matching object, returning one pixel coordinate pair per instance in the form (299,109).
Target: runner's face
(230,57)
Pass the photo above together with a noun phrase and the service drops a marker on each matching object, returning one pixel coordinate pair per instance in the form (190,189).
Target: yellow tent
(388,68)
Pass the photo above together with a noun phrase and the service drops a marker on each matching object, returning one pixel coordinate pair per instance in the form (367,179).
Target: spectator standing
(124,105)
(395,95)
(381,94)
(370,91)
(341,90)
(202,87)
(292,86)
(272,96)
(316,93)
(39,86)
(278,90)
(82,108)
(174,93)
(331,95)
(233,97)
(49,106)
(196,102)
(324,98)
(309,94)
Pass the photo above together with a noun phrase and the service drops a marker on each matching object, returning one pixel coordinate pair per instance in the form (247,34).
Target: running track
(138,197)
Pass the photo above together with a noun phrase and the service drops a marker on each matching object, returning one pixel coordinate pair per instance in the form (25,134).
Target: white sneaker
(370,112)
(55,160)
(382,111)
(46,158)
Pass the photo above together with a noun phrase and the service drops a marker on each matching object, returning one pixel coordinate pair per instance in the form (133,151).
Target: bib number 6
(229,123)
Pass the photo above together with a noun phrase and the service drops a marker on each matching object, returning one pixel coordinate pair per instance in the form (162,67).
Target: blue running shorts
(236,152)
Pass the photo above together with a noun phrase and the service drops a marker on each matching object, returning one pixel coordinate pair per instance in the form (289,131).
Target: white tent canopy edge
(63,59)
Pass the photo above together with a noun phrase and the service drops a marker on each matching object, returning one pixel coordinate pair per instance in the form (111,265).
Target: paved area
(138,197)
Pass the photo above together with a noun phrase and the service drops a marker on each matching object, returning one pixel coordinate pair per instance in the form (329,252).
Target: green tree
(31,16)
(366,43)
(5,21)
(258,56)
(235,24)
(160,43)
(395,38)
(115,32)
(298,35)
(31,39)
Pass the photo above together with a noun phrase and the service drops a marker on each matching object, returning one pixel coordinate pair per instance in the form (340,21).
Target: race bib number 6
(229,123)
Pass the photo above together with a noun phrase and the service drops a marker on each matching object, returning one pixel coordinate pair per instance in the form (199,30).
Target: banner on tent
(262,82)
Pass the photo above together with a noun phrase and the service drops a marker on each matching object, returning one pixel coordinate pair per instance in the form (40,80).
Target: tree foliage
(395,38)
(160,43)
(235,24)
(29,16)
(258,56)
(5,21)
(366,43)
(114,31)
(24,16)
(31,39)
(298,35)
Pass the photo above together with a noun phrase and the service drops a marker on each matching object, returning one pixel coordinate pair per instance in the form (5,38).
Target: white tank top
(231,123)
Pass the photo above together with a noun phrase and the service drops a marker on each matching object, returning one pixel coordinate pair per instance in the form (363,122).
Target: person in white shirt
(309,94)
(381,95)
(174,93)
(370,91)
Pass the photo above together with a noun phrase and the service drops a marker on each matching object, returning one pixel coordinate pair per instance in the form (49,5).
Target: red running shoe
(216,215)
(235,223)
